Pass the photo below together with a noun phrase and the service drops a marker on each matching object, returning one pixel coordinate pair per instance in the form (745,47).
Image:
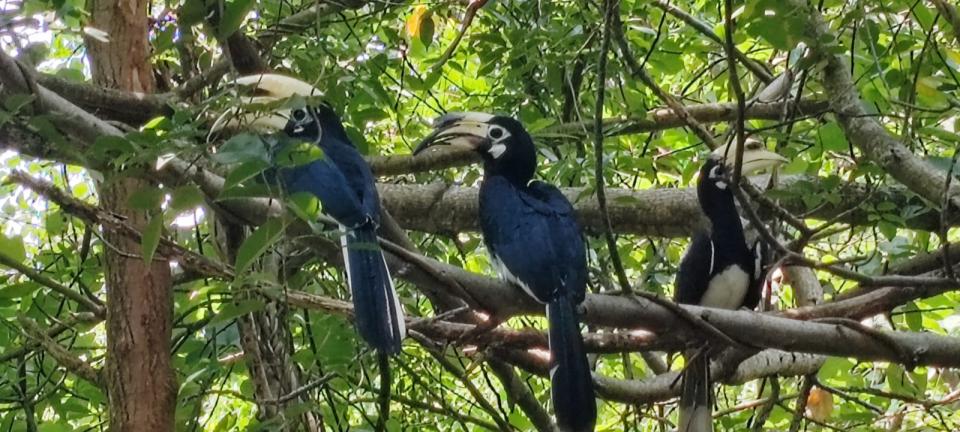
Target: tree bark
(140,380)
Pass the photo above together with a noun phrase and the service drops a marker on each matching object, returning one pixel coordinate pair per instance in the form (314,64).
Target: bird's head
(503,143)
(714,182)
(279,103)
(312,122)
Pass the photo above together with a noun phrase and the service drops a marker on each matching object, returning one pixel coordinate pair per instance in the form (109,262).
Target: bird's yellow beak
(755,157)
(458,129)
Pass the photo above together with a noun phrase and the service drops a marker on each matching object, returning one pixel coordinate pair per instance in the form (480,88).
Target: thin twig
(737,88)
(471,13)
(63,290)
(611,7)
(301,390)
(801,407)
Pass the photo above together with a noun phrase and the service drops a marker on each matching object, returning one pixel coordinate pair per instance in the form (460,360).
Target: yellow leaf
(416,19)
(819,404)
(928,86)
(954,55)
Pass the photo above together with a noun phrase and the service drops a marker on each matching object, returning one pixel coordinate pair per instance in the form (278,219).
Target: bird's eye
(495,133)
(753,145)
(299,114)
(716,172)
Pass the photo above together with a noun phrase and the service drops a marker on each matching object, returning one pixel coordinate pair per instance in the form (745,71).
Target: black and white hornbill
(534,241)
(720,269)
(343,183)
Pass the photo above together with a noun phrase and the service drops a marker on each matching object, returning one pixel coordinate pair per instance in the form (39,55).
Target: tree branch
(63,357)
(861,129)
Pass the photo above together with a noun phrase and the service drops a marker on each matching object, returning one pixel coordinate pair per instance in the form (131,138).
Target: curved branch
(863,130)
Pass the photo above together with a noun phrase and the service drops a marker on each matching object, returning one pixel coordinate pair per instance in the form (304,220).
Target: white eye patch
(497,150)
(715,172)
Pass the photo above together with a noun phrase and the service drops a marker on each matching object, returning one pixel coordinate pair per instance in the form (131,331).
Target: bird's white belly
(727,289)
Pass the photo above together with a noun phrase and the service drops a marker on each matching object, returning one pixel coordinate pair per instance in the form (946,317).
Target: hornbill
(534,241)
(343,183)
(720,269)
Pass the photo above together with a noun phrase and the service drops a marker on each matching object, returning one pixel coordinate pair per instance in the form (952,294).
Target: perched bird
(720,269)
(534,241)
(343,183)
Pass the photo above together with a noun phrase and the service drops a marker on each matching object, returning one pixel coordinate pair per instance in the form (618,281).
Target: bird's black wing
(534,236)
(356,172)
(693,275)
(567,237)
(759,276)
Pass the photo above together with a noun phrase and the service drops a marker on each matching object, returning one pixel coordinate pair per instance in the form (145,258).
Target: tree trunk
(140,380)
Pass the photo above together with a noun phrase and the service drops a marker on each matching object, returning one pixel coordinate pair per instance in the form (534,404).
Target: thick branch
(862,129)
(128,107)
(438,208)
(666,386)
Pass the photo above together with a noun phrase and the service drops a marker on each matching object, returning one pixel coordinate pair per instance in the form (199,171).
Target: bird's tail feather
(379,317)
(572,385)
(696,405)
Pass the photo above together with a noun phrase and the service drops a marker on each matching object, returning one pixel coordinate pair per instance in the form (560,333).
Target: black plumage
(718,270)
(531,233)
(343,183)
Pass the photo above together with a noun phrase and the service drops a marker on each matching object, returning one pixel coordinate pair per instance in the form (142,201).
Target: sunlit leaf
(186,198)
(258,243)
(12,247)
(244,147)
(233,15)
(151,237)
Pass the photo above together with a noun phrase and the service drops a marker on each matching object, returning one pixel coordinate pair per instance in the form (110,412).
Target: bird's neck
(517,174)
(726,222)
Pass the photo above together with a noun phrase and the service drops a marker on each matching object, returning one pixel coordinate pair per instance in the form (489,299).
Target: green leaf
(186,198)
(109,147)
(192,12)
(55,223)
(231,311)
(888,229)
(913,316)
(902,382)
(244,172)
(233,16)
(15,102)
(258,243)
(242,147)
(796,166)
(18,290)
(299,153)
(427,28)
(832,138)
(12,247)
(305,206)
(146,199)
(151,237)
